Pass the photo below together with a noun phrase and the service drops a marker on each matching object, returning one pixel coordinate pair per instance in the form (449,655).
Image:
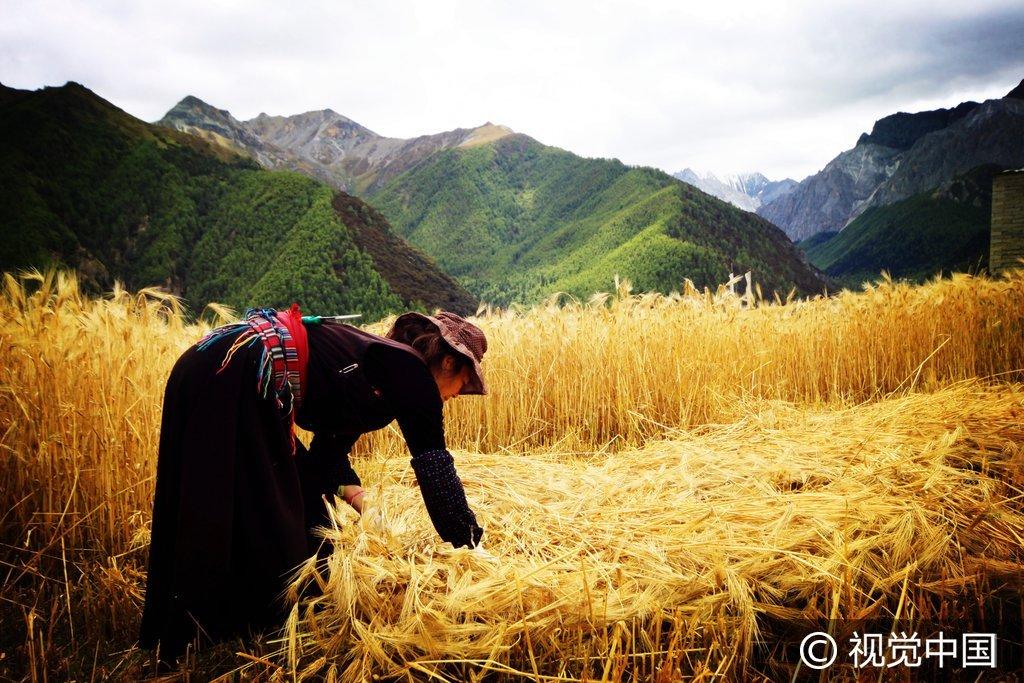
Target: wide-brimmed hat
(461,335)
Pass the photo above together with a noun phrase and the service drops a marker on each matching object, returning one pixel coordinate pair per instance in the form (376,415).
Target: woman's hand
(374,519)
(353,495)
(483,554)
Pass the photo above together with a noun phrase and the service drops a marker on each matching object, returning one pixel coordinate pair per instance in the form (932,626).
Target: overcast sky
(780,88)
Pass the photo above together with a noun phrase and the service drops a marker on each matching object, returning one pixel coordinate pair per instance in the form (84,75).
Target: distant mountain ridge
(943,231)
(323,144)
(902,130)
(991,133)
(515,220)
(747,191)
(903,155)
(84,184)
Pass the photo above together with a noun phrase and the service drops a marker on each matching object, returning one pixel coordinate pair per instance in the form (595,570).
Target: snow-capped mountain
(748,191)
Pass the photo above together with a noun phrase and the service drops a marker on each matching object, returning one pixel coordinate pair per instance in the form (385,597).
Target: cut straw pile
(666,560)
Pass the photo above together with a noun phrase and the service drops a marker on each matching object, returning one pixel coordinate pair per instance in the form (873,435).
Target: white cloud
(780,88)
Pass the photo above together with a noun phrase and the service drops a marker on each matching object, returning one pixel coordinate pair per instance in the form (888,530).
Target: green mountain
(84,184)
(516,220)
(816,239)
(938,232)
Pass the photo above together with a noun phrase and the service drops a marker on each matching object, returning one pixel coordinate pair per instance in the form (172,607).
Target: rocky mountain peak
(901,130)
(324,143)
(313,123)
(904,155)
(488,132)
(194,112)
(1018,92)
(193,102)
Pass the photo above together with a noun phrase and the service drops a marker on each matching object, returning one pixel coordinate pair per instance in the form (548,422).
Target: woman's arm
(410,388)
(328,455)
(445,498)
(322,469)
(353,495)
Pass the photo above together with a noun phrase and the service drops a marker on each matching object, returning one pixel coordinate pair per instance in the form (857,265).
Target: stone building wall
(1007,221)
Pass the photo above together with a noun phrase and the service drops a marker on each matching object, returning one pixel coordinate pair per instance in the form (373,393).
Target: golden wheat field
(668,485)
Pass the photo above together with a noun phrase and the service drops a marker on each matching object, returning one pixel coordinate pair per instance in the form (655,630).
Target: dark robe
(234,511)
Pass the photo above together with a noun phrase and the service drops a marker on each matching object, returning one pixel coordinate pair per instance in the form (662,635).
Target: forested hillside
(84,184)
(517,220)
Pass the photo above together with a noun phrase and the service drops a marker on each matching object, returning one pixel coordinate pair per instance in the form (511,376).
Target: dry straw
(578,376)
(567,464)
(668,557)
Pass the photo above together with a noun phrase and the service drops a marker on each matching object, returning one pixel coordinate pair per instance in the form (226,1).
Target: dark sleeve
(445,498)
(413,394)
(328,454)
(322,469)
